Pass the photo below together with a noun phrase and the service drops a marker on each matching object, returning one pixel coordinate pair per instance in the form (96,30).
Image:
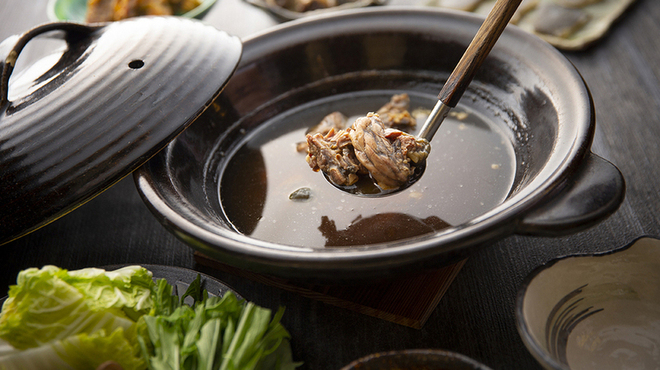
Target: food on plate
(268,192)
(302,6)
(576,3)
(467,5)
(123,319)
(566,24)
(114,10)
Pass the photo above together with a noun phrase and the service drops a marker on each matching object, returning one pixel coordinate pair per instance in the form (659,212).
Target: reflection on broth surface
(268,191)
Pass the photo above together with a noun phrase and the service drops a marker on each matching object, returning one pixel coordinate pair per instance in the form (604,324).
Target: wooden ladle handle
(477,51)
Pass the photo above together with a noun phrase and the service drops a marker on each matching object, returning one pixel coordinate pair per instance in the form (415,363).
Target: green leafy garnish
(56,319)
(222,333)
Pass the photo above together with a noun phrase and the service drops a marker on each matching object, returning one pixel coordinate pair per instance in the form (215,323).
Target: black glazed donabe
(525,87)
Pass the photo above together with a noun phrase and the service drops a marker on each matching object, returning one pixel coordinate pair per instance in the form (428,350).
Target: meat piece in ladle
(393,114)
(334,120)
(333,154)
(388,155)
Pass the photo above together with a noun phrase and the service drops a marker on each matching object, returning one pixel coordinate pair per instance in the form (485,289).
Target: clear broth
(469,171)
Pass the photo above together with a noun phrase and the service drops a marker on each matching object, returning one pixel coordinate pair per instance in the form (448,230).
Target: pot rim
(499,222)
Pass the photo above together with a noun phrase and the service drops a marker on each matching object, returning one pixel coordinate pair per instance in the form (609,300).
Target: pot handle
(593,193)
(11,47)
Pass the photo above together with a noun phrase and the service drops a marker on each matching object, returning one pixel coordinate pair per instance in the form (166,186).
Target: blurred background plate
(416,359)
(565,24)
(284,13)
(75,10)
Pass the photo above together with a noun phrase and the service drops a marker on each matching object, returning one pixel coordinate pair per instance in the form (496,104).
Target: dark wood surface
(476,317)
(407,301)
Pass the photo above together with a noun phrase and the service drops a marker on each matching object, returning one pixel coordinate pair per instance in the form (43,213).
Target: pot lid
(76,122)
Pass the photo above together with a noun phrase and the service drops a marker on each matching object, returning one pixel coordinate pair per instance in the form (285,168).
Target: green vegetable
(215,333)
(59,319)
(82,351)
(76,318)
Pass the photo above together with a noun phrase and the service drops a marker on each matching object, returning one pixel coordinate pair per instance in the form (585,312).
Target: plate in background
(75,10)
(286,14)
(416,359)
(579,24)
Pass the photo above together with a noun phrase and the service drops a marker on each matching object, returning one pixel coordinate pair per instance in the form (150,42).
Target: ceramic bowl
(595,312)
(416,359)
(529,91)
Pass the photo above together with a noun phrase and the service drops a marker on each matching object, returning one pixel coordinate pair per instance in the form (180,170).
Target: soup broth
(268,191)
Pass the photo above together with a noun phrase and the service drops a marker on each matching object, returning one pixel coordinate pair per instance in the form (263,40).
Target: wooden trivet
(409,301)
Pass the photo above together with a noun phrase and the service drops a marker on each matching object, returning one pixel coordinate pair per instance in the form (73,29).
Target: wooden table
(476,315)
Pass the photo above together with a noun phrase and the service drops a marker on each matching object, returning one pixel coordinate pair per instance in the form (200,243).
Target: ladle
(455,86)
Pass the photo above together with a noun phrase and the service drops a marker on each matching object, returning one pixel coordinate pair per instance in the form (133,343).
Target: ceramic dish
(595,312)
(526,91)
(416,359)
(76,10)
(566,24)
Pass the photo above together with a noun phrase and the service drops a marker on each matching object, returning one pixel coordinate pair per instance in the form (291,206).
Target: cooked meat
(184,6)
(384,153)
(415,149)
(370,146)
(125,9)
(114,10)
(334,120)
(395,113)
(465,5)
(100,10)
(303,5)
(155,7)
(333,154)
(307,5)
